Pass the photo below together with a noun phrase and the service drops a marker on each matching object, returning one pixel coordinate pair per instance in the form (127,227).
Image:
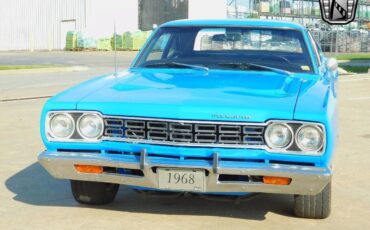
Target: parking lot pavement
(31,199)
(28,85)
(104,59)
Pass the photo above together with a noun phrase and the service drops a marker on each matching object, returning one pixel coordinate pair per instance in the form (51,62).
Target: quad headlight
(90,126)
(309,138)
(74,126)
(278,136)
(61,126)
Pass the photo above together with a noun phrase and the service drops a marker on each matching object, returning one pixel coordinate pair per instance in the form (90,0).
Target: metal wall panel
(36,24)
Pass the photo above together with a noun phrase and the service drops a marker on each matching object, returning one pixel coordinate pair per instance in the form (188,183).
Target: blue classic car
(217,107)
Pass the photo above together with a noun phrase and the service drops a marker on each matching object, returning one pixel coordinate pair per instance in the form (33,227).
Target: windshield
(219,47)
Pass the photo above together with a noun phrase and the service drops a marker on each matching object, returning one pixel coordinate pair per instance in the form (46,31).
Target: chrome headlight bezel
(299,144)
(80,132)
(293,148)
(76,136)
(50,131)
(268,139)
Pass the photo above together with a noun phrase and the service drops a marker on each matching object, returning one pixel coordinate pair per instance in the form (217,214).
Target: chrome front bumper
(306,180)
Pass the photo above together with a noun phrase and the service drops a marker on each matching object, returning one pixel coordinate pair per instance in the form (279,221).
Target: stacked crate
(89,43)
(83,42)
(138,40)
(143,36)
(71,40)
(127,41)
(135,41)
(104,44)
(117,42)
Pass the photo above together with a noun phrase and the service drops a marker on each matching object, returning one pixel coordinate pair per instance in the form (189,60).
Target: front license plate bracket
(190,180)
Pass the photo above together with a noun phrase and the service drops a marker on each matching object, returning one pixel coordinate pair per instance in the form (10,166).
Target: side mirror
(332,64)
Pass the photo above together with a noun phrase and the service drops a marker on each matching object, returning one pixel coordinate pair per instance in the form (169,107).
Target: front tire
(93,193)
(317,206)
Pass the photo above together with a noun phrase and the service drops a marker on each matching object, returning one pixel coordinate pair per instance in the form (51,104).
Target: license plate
(191,180)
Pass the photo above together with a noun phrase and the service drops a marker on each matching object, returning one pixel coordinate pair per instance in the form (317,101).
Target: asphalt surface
(31,199)
(28,84)
(102,59)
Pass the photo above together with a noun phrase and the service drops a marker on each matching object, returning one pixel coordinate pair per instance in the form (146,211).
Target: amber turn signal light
(276,180)
(89,169)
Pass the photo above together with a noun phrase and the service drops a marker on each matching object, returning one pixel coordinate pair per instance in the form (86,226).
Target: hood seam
(296,101)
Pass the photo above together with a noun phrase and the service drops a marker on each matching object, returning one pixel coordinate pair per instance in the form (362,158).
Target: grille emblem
(226,116)
(338,12)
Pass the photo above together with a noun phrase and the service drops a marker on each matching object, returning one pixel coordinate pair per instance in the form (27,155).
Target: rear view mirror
(332,64)
(226,37)
(219,38)
(233,37)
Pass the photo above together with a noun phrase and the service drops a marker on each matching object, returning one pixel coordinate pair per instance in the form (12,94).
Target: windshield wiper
(177,64)
(248,66)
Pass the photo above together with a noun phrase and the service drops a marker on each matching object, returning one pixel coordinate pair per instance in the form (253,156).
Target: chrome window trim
(313,44)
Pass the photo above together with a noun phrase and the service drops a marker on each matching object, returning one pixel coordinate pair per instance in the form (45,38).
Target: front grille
(172,132)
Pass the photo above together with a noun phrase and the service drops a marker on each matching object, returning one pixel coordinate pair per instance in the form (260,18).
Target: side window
(315,49)
(159,47)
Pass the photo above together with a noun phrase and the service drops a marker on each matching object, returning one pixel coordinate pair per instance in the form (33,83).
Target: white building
(42,24)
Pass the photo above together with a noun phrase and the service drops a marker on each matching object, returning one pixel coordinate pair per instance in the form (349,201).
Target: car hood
(195,94)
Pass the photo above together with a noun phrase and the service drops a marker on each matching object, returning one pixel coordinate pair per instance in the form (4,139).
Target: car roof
(236,23)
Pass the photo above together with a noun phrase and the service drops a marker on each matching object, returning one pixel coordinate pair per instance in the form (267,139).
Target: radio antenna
(115,49)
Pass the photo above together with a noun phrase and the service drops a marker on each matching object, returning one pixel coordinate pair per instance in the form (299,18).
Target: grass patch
(17,67)
(355,69)
(353,56)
